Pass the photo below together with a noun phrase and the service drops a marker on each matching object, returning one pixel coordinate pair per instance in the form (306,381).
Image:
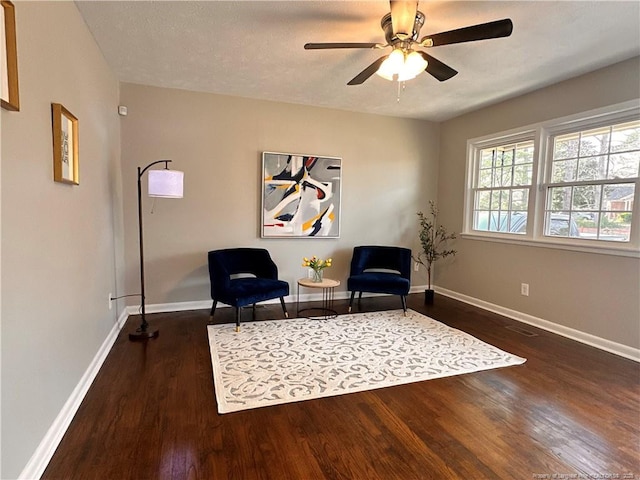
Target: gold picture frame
(9,94)
(65,145)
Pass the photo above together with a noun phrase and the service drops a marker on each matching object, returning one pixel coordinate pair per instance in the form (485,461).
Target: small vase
(317,276)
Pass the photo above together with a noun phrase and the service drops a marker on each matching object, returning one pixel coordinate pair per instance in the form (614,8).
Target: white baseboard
(206,304)
(40,459)
(582,337)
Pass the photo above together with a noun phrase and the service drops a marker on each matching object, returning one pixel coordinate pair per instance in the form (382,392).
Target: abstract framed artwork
(65,145)
(9,95)
(300,196)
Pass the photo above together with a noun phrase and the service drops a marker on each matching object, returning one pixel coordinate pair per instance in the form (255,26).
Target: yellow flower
(316,263)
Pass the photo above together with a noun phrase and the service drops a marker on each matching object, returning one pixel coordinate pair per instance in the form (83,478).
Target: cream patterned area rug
(280,361)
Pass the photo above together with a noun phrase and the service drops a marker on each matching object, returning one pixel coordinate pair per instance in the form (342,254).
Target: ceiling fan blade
(367,72)
(483,31)
(325,46)
(438,69)
(403,17)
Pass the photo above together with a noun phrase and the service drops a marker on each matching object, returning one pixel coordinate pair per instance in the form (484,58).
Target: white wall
(592,293)
(59,242)
(389,172)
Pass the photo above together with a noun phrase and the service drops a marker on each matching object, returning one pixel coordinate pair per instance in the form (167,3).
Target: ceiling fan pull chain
(401,87)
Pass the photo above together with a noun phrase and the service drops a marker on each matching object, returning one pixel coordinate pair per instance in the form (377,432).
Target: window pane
(566,146)
(625,137)
(505,155)
(485,178)
(586,197)
(624,165)
(507,177)
(595,142)
(557,224)
(518,222)
(588,224)
(481,221)
(494,223)
(504,200)
(519,199)
(483,200)
(619,197)
(522,174)
(613,228)
(592,168)
(560,198)
(564,171)
(524,153)
(486,158)
(561,224)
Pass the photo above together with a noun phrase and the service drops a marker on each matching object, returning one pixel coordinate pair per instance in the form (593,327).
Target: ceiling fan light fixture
(402,67)
(414,64)
(392,66)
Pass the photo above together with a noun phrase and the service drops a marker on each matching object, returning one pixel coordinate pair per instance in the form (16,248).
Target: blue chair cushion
(247,291)
(379,282)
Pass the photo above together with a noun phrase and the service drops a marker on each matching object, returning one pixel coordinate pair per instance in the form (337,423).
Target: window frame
(473,173)
(542,135)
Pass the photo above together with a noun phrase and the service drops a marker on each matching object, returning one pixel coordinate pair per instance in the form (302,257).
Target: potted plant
(433,240)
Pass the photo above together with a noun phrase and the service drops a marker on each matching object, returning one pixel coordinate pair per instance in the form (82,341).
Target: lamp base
(143,335)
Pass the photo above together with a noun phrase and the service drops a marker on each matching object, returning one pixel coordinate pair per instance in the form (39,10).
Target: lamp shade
(166,183)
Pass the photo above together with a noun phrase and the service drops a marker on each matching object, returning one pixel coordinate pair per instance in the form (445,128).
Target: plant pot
(428,296)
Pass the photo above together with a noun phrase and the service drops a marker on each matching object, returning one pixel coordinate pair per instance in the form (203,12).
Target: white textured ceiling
(255,49)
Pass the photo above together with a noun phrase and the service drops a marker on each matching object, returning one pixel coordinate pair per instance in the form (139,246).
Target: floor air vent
(521,331)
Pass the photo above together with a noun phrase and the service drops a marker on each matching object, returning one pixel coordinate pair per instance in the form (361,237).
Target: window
(501,193)
(572,183)
(592,186)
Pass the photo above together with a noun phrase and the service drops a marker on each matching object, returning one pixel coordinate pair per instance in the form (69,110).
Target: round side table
(328,286)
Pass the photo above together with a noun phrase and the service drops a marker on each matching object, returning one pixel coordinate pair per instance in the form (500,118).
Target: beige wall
(389,171)
(59,245)
(593,293)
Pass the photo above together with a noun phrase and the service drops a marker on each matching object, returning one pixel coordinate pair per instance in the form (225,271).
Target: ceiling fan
(401,29)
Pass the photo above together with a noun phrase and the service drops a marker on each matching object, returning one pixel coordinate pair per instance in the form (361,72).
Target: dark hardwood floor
(571,411)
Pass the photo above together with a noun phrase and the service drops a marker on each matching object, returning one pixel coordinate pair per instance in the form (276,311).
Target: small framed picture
(65,145)
(9,97)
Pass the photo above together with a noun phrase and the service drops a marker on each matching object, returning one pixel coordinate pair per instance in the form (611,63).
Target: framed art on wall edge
(9,96)
(301,196)
(65,145)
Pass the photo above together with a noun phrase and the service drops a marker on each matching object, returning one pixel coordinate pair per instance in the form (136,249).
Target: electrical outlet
(110,301)
(416,266)
(524,289)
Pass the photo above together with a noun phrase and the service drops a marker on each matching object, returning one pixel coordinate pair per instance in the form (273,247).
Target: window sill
(580,246)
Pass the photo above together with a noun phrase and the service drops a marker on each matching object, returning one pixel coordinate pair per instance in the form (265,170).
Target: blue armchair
(379,269)
(244,276)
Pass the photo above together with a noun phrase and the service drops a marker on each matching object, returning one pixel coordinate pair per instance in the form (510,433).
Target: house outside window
(570,183)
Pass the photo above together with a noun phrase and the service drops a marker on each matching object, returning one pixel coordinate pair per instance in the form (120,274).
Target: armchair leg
(353,294)
(213,308)
(284,308)
(237,319)
(404,304)
(253,312)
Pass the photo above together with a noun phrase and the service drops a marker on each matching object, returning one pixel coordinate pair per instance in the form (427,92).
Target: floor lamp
(165,184)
